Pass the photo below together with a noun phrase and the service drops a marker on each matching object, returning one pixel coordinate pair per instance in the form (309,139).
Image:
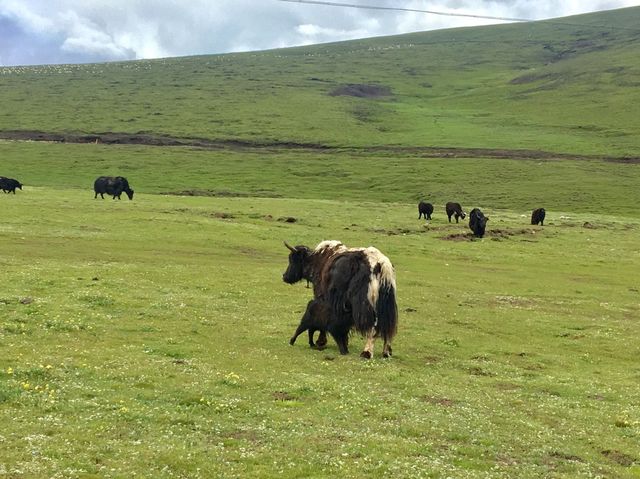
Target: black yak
(358,287)
(315,318)
(112,185)
(455,209)
(9,185)
(538,216)
(425,209)
(477,222)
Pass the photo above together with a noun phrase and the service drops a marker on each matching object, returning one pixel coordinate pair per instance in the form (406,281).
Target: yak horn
(287,245)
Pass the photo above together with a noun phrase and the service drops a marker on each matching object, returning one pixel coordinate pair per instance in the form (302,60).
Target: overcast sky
(79,31)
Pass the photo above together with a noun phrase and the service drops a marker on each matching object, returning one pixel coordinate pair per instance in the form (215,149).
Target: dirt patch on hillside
(223,215)
(222,193)
(534,77)
(362,91)
(147,139)
(497,234)
(105,138)
(619,457)
(151,139)
(439,401)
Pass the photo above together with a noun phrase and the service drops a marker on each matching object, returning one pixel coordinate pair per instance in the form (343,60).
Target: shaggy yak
(112,185)
(9,185)
(477,222)
(538,216)
(455,209)
(425,209)
(355,288)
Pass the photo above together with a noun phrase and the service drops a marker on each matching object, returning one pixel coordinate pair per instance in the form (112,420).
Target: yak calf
(315,318)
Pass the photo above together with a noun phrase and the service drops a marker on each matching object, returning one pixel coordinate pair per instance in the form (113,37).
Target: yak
(315,318)
(538,216)
(477,222)
(455,209)
(9,185)
(112,185)
(356,285)
(425,209)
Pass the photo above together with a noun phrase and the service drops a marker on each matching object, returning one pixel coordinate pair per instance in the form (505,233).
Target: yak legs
(367,352)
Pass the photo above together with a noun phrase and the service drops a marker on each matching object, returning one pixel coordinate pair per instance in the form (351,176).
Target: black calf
(315,318)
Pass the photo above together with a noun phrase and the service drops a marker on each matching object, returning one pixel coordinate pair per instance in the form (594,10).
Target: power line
(449,14)
(399,9)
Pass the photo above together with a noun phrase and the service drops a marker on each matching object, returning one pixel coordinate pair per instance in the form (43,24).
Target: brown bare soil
(282,396)
(619,457)
(151,139)
(362,91)
(439,401)
(496,234)
(221,193)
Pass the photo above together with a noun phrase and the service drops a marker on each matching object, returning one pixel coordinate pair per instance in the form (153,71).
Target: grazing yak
(315,318)
(357,287)
(9,185)
(112,185)
(455,209)
(538,216)
(425,209)
(477,222)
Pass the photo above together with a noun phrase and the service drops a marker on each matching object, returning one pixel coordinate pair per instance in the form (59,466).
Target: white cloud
(55,31)
(85,37)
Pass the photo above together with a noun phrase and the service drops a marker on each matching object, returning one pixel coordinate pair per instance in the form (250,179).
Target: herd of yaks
(477,220)
(116,185)
(111,185)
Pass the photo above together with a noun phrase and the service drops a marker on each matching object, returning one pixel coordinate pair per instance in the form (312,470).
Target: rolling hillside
(150,338)
(565,86)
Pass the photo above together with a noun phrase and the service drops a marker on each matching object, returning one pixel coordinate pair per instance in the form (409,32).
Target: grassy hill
(564,86)
(149,338)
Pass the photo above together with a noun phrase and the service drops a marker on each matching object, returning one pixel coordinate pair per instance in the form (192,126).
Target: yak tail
(387,311)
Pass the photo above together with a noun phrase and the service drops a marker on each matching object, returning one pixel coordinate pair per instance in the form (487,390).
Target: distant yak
(9,185)
(425,209)
(455,209)
(538,216)
(477,222)
(112,185)
(355,286)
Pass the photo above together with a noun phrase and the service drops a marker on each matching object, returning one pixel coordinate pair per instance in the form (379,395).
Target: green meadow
(150,338)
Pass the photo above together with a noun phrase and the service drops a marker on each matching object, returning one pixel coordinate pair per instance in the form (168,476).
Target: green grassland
(153,336)
(149,338)
(565,86)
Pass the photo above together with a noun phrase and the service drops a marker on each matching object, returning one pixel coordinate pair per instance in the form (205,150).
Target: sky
(34,32)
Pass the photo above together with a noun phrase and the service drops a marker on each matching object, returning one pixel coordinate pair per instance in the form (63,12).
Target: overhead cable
(400,9)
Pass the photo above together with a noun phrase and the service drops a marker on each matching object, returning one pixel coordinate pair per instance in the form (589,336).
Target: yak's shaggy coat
(357,284)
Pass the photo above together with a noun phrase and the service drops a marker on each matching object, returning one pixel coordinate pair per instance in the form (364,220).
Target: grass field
(149,338)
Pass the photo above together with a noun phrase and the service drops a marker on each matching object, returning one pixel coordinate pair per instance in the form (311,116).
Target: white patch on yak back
(387,274)
(334,245)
